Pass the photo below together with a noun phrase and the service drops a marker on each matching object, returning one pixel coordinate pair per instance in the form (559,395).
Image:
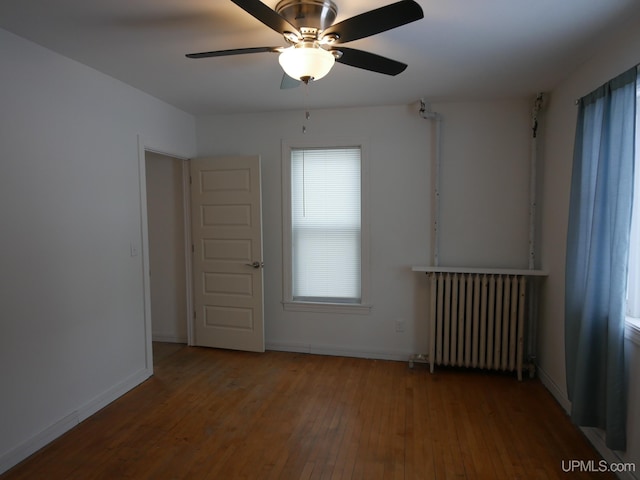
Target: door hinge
(193,248)
(190,180)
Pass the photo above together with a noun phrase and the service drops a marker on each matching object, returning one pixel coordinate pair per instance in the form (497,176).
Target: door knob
(255,264)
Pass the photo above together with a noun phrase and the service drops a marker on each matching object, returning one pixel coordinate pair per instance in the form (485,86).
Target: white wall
(72,331)
(484,209)
(168,273)
(616,55)
(484,199)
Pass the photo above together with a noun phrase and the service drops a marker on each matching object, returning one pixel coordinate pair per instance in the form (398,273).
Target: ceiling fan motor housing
(309,29)
(316,14)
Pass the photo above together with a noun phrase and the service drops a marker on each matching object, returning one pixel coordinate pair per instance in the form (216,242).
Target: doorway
(169,268)
(229,252)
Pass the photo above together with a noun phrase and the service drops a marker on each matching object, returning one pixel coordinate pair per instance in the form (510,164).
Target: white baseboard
(555,390)
(594,435)
(14,456)
(115,392)
(337,351)
(167,338)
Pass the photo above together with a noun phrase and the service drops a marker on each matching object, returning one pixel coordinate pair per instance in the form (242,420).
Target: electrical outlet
(399,325)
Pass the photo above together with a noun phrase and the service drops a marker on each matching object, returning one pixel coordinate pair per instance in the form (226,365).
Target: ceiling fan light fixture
(306,61)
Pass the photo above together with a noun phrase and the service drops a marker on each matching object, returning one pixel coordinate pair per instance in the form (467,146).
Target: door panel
(227,258)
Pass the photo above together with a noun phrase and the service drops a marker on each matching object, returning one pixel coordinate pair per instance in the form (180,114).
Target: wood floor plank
(213,414)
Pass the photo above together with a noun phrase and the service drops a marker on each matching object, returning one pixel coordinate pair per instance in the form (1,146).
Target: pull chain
(306,107)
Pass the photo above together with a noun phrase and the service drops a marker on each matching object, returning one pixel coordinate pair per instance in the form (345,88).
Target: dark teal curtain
(597,251)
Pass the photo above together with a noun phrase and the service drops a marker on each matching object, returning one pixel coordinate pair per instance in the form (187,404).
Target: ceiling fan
(312,37)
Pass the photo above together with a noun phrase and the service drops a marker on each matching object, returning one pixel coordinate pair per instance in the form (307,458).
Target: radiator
(477,321)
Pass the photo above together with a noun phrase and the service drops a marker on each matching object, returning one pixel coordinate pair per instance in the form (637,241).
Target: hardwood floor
(216,414)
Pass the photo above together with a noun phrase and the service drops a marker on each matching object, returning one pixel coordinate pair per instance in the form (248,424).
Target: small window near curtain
(326,224)
(633,285)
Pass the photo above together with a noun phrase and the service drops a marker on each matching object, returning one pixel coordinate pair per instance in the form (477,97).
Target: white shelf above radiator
(488,271)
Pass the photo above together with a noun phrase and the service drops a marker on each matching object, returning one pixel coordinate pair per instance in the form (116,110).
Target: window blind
(326,224)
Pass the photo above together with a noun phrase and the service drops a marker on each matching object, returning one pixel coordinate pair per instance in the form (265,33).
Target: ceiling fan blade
(375,21)
(266,15)
(288,82)
(370,61)
(234,51)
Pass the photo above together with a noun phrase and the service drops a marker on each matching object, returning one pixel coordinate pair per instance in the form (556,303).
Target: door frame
(144,233)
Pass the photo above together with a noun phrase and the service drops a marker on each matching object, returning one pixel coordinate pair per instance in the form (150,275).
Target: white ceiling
(462,49)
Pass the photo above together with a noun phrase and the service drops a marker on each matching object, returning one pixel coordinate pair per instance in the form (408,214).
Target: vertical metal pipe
(533,181)
(427,114)
(532,295)
(436,222)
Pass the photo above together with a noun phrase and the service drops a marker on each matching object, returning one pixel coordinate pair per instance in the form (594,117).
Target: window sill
(359,309)
(632,331)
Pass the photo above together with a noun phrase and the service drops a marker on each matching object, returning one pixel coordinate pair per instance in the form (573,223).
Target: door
(226,219)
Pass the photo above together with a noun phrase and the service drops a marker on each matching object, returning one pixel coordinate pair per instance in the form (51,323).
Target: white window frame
(364,307)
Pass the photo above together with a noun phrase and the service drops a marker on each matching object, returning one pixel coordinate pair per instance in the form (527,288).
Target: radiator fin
(477,321)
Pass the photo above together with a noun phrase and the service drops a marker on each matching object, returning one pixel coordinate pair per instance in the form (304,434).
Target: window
(325,237)
(633,285)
